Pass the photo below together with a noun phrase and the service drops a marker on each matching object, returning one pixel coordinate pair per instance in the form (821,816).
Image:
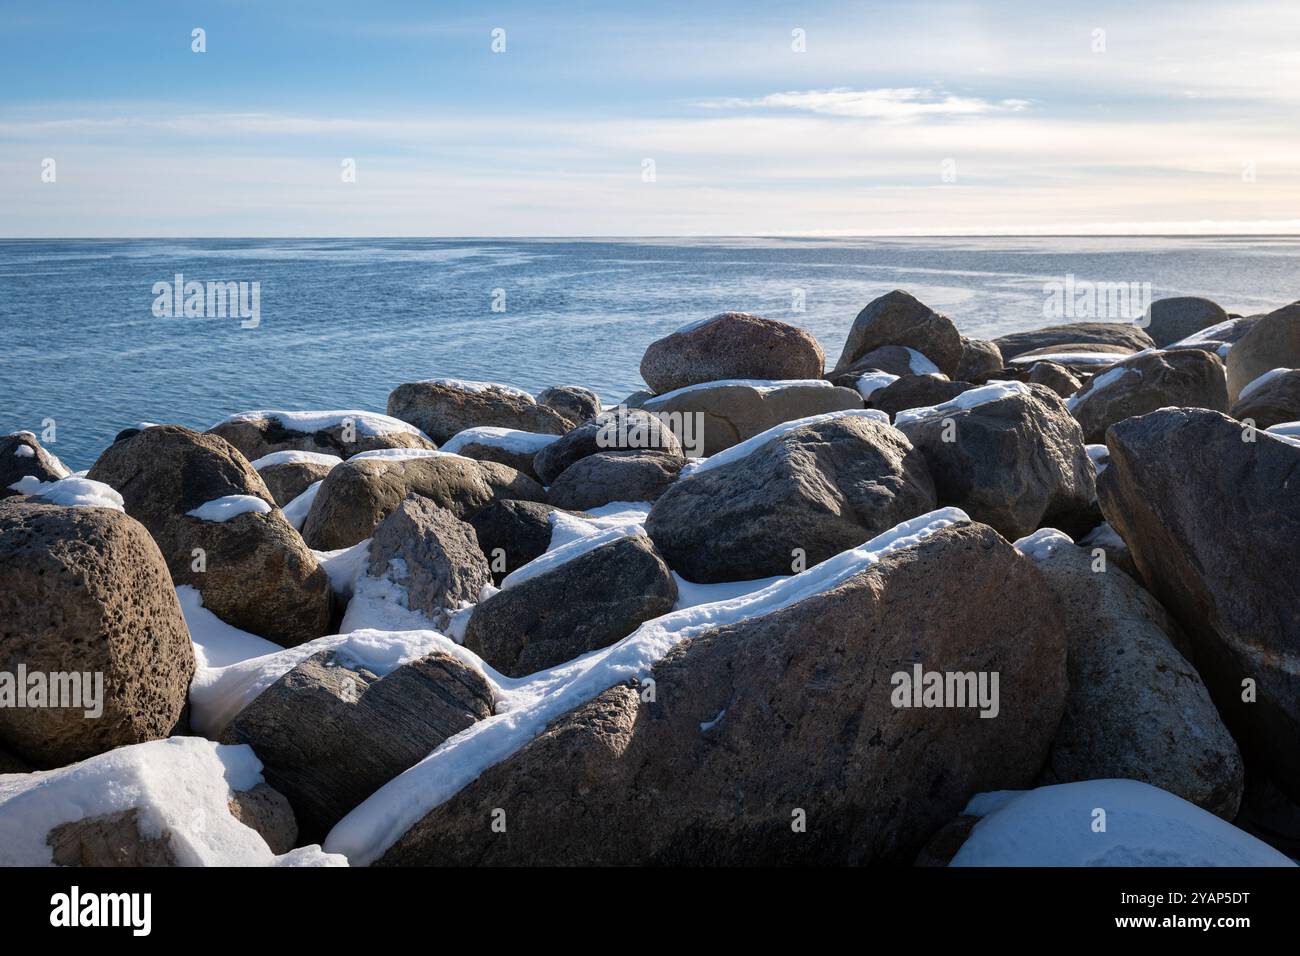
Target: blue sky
(894,118)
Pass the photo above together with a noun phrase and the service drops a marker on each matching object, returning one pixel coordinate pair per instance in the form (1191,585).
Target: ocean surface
(343,321)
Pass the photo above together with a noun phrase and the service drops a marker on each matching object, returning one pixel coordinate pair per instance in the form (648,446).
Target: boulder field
(907,609)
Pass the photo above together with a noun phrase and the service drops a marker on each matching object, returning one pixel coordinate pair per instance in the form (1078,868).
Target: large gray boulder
(1214,532)
(1124,335)
(898,318)
(1272,342)
(582,604)
(1272,400)
(776,740)
(1187,378)
(253,569)
(288,479)
(731,412)
(807,494)
(574,402)
(1169,320)
(614,476)
(731,345)
(512,533)
(1012,458)
(1136,709)
(431,555)
(915,391)
(21,455)
(443,407)
(357,495)
(981,360)
(261,433)
(85,591)
(618,429)
(330,732)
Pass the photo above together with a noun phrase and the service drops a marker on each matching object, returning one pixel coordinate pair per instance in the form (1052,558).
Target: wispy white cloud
(891,104)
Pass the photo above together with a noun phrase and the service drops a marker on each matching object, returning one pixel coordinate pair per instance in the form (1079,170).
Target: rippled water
(344,321)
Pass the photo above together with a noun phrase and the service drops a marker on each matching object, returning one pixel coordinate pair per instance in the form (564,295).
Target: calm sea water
(344,321)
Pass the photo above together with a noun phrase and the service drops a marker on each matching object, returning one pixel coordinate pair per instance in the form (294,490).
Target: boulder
(895,359)
(85,591)
(1136,708)
(1170,320)
(575,403)
(727,413)
(1220,338)
(1272,400)
(1272,342)
(614,476)
(1055,376)
(619,429)
(442,407)
(1011,457)
(266,810)
(505,446)
(806,494)
(22,455)
(915,391)
(731,345)
(359,494)
(582,604)
(253,569)
(1127,337)
(344,434)
(288,478)
(1211,531)
(331,732)
(898,318)
(431,555)
(1187,378)
(637,398)
(776,739)
(512,533)
(981,360)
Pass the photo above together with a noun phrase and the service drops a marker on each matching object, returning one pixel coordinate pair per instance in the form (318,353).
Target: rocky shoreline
(1028,601)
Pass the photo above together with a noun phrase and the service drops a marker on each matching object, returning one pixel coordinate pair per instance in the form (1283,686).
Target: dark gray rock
(758,724)
(1169,320)
(614,476)
(821,488)
(585,603)
(1017,463)
(618,429)
(898,318)
(1271,402)
(329,733)
(1215,533)
(22,455)
(440,409)
(575,403)
(1186,378)
(731,345)
(1127,337)
(915,391)
(441,567)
